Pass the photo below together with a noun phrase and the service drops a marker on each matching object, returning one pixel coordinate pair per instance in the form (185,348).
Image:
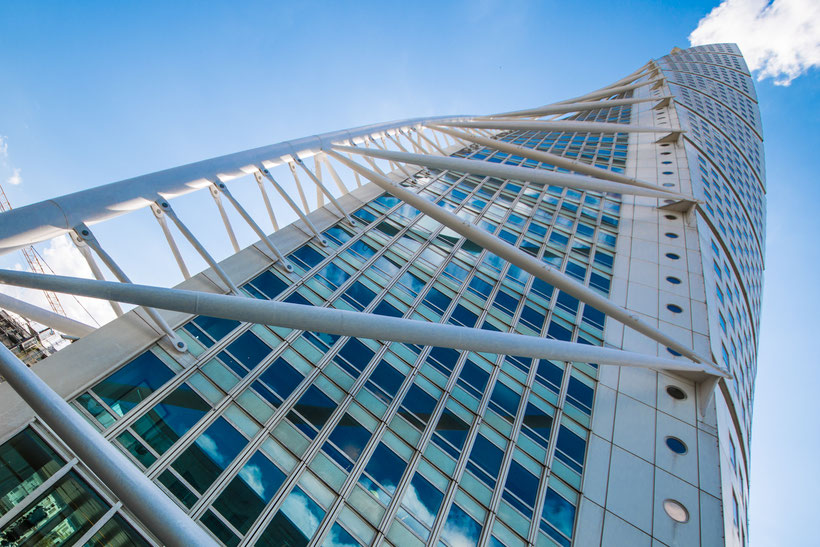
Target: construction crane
(35,261)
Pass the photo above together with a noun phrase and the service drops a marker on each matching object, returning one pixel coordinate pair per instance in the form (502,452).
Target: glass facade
(273,436)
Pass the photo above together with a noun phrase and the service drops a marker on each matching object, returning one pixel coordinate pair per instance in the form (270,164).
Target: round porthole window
(673,352)
(671,235)
(676,511)
(668,184)
(666,162)
(670,217)
(676,393)
(676,445)
(668,172)
(673,256)
(674,308)
(674,280)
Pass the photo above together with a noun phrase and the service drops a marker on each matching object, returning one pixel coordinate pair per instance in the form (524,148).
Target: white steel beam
(299,188)
(406,133)
(317,169)
(166,520)
(220,186)
(582,106)
(84,232)
(66,325)
(349,323)
(526,262)
(169,237)
(322,190)
(516,172)
(82,246)
(560,125)
(607,91)
(431,143)
(165,207)
(50,218)
(336,178)
(552,159)
(225,220)
(264,172)
(266,199)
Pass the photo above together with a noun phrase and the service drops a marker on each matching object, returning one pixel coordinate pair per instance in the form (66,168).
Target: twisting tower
(529,328)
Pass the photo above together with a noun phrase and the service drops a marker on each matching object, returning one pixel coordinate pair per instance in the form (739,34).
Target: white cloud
(302,512)
(779,40)
(252,476)
(4,147)
(15,177)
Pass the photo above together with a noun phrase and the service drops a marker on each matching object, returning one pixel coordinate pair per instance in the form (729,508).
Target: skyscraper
(536,327)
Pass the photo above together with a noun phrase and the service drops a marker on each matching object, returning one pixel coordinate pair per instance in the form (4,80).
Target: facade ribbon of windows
(269,435)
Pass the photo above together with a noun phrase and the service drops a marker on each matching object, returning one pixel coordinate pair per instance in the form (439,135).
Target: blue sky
(99,92)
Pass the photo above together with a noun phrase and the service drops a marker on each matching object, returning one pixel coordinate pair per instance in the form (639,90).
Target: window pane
(116,533)
(127,387)
(61,515)
(314,409)
(213,450)
(171,418)
(295,523)
(460,529)
(248,493)
(25,463)
(350,437)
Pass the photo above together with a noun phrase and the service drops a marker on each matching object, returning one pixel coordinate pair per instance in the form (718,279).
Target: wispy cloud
(779,39)
(15,177)
(4,147)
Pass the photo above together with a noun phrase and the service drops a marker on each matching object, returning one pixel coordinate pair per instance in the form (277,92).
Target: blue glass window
(559,332)
(420,505)
(571,449)
(383,472)
(296,298)
(521,488)
(249,492)
(306,256)
(280,376)
(331,276)
(215,328)
(459,528)
(443,359)
(130,385)
(473,379)
(385,381)
(171,418)
(485,460)
(349,438)
(537,425)
(202,462)
(365,216)
(417,406)
(580,395)
(451,433)
(247,352)
(314,408)
(559,515)
(358,296)
(269,284)
(295,522)
(383,308)
(504,401)
(339,537)
(463,317)
(550,374)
